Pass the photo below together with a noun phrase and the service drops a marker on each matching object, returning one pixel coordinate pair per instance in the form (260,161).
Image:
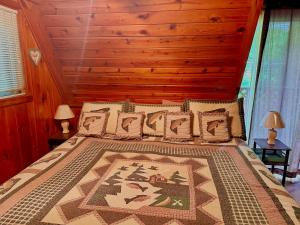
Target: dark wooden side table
(58,138)
(274,155)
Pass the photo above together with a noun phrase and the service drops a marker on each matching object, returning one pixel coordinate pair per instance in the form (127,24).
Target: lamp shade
(63,112)
(273,120)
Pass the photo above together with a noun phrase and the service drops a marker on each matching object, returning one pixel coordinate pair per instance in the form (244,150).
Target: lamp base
(272,136)
(65,126)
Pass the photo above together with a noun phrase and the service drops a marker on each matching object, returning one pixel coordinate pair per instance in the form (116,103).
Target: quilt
(96,181)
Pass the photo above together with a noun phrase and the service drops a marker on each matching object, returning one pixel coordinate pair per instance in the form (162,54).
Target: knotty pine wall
(27,121)
(147,50)
(141,50)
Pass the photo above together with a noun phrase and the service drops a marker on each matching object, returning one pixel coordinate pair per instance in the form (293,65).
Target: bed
(151,164)
(96,181)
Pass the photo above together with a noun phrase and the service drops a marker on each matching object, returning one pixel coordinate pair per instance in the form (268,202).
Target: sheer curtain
(278,86)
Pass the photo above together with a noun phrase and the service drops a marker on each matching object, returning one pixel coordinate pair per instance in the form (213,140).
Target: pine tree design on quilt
(137,184)
(137,175)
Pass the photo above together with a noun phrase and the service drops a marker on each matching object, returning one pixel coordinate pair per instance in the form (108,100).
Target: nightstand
(58,138)
(273,155)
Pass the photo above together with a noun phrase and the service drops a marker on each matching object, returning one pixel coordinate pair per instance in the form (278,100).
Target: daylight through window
(11,71)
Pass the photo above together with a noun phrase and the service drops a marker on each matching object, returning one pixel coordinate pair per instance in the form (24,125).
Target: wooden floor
(293,189)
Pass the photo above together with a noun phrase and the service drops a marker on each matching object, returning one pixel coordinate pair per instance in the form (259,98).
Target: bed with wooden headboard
(99,177)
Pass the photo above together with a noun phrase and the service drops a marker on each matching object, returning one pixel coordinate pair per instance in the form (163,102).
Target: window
(247,90)
(11,70)
(278,85)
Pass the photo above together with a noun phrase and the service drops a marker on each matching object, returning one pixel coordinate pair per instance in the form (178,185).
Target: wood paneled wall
(142,50)
(27,121)
(148,50)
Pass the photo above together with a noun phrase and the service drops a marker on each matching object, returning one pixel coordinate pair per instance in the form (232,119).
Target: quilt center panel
(145,187)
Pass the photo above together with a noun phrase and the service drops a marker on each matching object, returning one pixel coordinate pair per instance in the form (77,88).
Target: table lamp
(273,120)
(64,113)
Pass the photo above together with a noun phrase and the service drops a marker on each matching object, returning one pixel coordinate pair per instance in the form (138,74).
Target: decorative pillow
(111,107)
(214,127)
(178,126)
(236,114)
(130,125)
(93,124)
(154,116)
(169,102)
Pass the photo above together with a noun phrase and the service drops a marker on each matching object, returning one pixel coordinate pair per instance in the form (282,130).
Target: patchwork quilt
(100,181)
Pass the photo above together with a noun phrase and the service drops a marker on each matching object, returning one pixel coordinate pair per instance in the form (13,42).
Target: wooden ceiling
(144,50)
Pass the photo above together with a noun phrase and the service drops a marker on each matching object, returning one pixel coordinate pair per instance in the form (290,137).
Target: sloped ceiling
(144,50)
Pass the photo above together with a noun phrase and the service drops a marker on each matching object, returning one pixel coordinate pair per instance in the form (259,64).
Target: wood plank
(147,18)
(150,42)
(9,148)
(15,100)
(208,52)
(24,135)
(207,81)
(97,6)
(87,76)
(153,97)
(69,70)
(187,29)
(119,89)
(12,147)
(137,62)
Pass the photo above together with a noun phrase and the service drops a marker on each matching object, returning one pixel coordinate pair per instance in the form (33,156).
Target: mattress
(101,181)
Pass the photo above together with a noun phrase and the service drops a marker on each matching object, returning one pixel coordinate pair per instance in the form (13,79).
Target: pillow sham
(154,116)
(214,127)
(178,126)
(111,107)
(93,124)
(236,122)
(169,102)
(130,125)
